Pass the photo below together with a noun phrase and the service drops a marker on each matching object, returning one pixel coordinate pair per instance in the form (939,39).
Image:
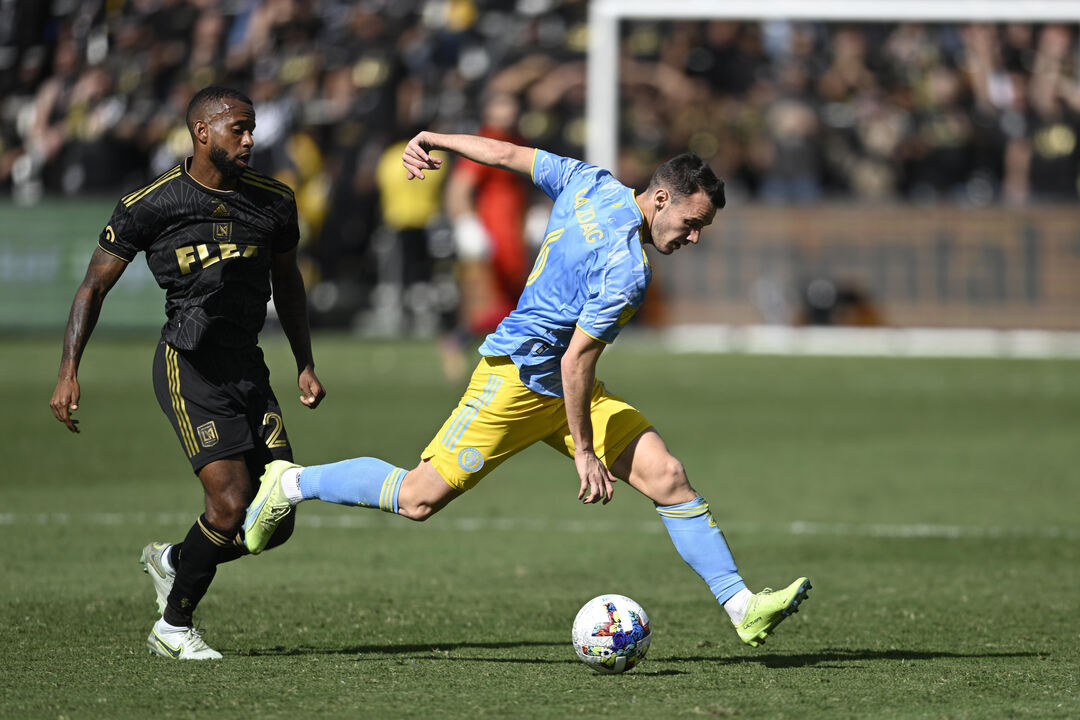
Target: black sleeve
(122,236)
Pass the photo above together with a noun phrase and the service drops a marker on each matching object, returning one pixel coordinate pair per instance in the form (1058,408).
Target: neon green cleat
(268,509)
(768,609)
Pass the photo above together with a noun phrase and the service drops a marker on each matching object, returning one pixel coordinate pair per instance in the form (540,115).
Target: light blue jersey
(591,272)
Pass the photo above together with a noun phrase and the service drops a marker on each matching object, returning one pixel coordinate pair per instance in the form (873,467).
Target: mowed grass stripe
(367,520)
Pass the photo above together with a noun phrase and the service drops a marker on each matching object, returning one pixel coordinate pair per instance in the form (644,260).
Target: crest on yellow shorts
(470,459)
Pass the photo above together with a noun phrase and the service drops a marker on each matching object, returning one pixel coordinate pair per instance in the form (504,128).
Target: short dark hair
(211,93)
(685,174)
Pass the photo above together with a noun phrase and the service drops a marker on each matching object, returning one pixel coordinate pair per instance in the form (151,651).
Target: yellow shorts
(498,417)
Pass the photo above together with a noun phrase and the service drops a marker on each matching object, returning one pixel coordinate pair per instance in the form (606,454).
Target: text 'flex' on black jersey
(210,250)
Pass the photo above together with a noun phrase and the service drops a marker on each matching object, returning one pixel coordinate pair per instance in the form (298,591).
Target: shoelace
(194,640)
(756,600)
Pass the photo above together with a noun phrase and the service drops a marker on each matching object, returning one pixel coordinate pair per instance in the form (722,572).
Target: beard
(225,165)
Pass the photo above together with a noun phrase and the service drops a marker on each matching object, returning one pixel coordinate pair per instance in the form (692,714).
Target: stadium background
(879,173)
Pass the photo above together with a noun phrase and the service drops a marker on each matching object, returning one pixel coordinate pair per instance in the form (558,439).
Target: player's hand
(64,401)
(416,158)
(311,390)
(596,480)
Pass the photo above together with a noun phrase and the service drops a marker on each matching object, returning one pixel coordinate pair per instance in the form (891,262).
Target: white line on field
(878,341)
(371,520)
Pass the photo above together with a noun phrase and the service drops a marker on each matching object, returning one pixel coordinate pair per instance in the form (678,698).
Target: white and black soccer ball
(611,633)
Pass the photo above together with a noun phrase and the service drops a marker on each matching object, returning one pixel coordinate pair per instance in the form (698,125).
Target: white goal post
(602,98)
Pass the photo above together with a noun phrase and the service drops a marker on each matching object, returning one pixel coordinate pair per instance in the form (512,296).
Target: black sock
(196,559)
(226,554)
(196,569)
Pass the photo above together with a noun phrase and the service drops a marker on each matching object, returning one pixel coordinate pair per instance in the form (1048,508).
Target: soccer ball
(611,634)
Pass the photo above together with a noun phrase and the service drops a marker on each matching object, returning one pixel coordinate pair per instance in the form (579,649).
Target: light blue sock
(702,546)
(366,481)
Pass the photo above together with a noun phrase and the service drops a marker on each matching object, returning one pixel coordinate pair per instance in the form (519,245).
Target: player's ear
(200,131)
(660,197)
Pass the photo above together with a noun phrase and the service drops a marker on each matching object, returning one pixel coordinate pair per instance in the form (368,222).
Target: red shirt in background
(500,197)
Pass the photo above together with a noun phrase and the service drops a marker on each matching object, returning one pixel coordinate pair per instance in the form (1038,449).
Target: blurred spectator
(415,294)
(825,302)
(487,209)
(1044,159)
(792,172)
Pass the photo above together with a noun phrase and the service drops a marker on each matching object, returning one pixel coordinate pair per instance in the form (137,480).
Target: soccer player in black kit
(218,238)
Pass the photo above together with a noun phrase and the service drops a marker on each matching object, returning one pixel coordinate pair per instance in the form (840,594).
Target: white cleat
(180,644)
(154,566)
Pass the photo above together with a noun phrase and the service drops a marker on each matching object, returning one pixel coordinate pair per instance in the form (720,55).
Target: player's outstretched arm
(290,300)
(102,273)
(487,151)
(578,377)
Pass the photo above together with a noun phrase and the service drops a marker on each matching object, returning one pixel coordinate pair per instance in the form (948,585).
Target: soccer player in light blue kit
(536,379)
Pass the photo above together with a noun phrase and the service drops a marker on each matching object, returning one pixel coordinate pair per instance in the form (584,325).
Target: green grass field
(933,503)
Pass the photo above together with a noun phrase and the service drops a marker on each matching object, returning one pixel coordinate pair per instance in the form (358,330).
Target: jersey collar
(641,226)
(184,167)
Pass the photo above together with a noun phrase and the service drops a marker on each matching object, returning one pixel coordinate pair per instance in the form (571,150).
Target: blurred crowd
(971,114)
(93,93)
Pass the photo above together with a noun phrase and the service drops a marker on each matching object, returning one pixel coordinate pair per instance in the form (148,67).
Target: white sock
(290,485)
(736,605)
(163,627)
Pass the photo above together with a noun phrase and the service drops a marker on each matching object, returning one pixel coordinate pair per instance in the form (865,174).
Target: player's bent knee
(666,482)
(226,485)
(424,493)
(673,476)
(419,511)
(226,514)
(414,504)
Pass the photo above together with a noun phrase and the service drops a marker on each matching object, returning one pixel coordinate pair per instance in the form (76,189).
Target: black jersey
(210,250)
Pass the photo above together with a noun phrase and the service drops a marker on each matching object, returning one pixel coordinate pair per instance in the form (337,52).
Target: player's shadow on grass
(839,657)
(438,651)
(426,651)
(828,658)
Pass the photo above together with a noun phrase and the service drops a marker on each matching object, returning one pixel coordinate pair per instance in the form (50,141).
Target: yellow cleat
(268,509)
(768,609)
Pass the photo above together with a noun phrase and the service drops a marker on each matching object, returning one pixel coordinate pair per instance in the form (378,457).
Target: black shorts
(220,404)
